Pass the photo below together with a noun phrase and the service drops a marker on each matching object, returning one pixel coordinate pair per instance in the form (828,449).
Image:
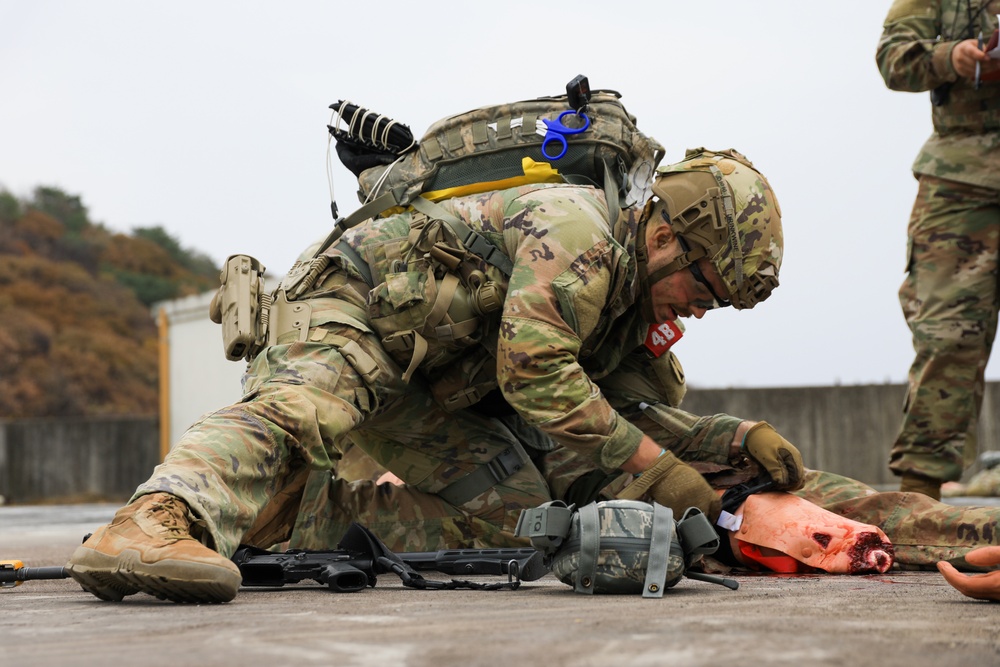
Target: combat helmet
(722,208)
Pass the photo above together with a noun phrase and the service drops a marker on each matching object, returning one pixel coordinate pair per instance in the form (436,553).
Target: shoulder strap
(471,239)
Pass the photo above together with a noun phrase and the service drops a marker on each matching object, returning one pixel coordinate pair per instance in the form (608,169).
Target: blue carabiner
(557,132)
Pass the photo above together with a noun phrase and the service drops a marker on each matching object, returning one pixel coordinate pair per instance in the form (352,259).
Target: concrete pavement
(901,619)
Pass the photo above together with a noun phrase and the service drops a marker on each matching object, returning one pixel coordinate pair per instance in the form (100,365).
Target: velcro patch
(661,337)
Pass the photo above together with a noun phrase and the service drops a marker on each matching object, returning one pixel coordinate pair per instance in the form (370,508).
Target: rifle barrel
(15,575)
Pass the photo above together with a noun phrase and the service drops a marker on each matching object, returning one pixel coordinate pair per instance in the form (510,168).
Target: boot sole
(113,577)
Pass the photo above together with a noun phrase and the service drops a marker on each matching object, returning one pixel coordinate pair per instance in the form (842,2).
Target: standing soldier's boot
(148,547)
(913,483)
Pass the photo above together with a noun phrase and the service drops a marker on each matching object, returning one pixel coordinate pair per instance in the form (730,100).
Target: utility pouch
(424,319)
(620,546)
(431,304)
(241,306)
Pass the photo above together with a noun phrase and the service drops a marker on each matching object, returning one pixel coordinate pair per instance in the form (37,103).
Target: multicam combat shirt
(914,55)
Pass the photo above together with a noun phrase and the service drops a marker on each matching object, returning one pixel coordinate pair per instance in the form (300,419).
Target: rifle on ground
(353,566)
(346,572)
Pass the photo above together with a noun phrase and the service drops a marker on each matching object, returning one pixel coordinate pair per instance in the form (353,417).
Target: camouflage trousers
(922,530)
(245,469)
(949,299)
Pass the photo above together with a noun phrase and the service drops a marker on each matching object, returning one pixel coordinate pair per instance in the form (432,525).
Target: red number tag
(661,337)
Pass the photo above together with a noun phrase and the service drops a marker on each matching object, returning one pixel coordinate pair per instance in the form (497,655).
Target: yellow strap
(534,172)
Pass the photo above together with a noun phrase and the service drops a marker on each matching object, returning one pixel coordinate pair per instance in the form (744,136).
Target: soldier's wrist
(642,472)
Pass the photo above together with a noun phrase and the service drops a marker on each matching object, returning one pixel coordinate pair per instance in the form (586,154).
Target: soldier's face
(681,294)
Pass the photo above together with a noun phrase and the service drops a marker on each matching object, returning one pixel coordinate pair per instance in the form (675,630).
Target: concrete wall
(846,429)
(70,460)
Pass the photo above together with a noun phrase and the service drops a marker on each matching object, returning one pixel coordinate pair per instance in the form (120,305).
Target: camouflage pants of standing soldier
(950,299)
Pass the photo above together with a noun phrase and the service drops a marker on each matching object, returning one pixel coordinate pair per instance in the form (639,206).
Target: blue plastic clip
(557,132)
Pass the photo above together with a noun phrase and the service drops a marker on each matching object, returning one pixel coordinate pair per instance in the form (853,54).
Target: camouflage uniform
(949,297)
(261,471)
(567,334)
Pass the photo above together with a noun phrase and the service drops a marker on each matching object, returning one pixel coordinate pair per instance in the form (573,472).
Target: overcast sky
(208,118)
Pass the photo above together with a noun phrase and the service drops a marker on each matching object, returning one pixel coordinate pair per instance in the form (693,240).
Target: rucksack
(498,147)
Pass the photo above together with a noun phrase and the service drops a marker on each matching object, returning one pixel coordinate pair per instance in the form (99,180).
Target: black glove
(358,157)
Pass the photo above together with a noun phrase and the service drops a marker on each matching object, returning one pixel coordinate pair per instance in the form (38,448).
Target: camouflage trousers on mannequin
(407,519)
(923,531)
(949,299)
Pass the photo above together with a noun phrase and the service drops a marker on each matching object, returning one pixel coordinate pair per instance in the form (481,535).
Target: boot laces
(171,515)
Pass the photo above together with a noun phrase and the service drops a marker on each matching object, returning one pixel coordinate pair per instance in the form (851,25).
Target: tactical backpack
(620,546)
(581,137)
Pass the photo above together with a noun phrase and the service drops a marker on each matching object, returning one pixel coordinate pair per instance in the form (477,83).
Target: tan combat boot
(148,547)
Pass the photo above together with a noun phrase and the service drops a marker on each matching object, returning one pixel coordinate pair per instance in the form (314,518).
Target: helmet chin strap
(647,280)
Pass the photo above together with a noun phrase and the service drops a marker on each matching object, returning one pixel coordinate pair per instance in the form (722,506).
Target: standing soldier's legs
(949,298)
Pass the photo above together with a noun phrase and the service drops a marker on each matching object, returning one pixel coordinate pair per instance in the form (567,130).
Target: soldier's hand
(978,586)
(964,57)
(779,457)
(674,484)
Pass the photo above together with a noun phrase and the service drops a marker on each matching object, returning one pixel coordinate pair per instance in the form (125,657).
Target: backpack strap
(475,242)
(370,210)
(590,549)
(659,552)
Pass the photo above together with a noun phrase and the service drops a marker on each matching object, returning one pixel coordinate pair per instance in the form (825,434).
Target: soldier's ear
(662,236)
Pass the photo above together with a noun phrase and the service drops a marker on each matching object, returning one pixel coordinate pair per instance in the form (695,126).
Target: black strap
(494,471)
(354,258)
(361,540)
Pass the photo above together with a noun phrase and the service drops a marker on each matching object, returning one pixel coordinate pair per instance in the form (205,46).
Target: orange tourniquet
(785,533)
